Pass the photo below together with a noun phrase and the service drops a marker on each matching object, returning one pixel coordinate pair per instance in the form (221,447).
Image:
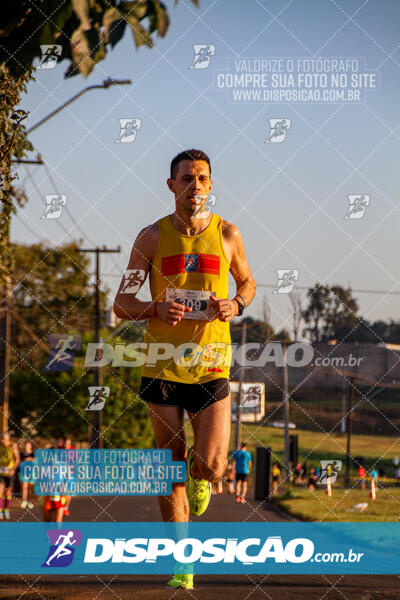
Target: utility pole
(286,413)
(96,440)
(240,395)
(350,393)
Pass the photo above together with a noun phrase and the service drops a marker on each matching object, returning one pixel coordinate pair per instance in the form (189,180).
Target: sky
(288,196)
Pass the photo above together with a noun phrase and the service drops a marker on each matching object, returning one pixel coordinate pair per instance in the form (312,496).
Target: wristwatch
(240,307)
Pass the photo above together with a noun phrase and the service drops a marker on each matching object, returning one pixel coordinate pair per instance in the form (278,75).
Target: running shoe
(24,504)
(242,500)
(182,580)
(237,498)
(6,514)
(30,504)
(198,491)
(66,512)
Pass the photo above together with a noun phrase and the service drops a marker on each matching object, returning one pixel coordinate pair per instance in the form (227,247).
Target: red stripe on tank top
(206,263)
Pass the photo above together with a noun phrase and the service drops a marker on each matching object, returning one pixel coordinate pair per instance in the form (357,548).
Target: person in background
(229,479)
(397,474)
(67,445)
(242,465)
(217,487)
(374,474)
(297,471)
(304,472)
(53,508)
(362,473)
(9,461)
(27,486)
(312,480)
(276,476)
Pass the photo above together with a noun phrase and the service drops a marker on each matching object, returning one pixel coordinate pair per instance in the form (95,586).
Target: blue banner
(220,548)
(92,472)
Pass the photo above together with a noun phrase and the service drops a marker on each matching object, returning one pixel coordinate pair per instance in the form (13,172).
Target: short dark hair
(192,154)
(243,444)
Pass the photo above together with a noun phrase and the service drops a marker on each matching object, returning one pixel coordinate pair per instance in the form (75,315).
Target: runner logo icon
(50,55)
(98,395)
(357,205)
(62,547)
(62,349)
(202,55)
(133,280)
(278,129)
(128,130)
(54,206)
(286,280)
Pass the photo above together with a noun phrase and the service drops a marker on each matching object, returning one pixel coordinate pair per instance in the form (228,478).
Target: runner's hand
(224,309)
(171,312)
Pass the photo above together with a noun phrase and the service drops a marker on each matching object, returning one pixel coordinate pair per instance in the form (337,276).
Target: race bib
(197,300)
(4,471)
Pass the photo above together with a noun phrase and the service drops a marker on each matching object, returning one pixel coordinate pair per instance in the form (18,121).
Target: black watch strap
(241,307)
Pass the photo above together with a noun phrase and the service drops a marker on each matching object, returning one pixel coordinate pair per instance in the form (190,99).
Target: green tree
(84,29)
(331,314)
(52,294)
(314,313)
(52,405)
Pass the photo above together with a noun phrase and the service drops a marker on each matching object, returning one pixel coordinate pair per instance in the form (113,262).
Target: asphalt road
(207,587)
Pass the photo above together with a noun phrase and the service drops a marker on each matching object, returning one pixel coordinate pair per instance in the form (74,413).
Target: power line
(305,287)
(31,230)
(76,224)
(40,196)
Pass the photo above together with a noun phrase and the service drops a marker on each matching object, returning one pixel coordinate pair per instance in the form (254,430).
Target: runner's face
(193,178)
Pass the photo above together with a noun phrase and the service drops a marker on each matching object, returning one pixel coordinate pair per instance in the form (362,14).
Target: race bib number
(197,300)
(4,471)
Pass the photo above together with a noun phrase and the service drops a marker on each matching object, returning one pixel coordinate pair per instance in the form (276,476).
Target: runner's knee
(177,446)
(212,469)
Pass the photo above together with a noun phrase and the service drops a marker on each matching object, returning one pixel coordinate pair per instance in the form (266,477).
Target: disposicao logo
(62,547)
(190,550)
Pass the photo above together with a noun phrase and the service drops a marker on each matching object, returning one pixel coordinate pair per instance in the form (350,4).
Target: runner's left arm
(240,269)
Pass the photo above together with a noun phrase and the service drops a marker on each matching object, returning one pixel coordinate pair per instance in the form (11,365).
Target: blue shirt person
(242,460)
(242,466)
(374,474)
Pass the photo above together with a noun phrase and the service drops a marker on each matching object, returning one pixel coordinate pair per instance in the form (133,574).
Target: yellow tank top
(6,456)
(200,347)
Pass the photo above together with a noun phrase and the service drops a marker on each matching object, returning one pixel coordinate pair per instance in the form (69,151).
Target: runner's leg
(244,489)
(168,426)
(59,514)
(212,430)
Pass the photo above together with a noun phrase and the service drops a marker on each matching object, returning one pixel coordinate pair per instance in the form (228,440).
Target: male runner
(189,260)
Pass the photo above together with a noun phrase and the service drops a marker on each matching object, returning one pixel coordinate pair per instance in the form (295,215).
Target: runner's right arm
(126,305)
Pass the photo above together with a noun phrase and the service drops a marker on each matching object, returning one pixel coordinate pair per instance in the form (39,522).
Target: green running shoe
(198,490)
(182,580)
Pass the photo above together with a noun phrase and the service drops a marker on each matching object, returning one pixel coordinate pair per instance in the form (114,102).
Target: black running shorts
(193,397)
